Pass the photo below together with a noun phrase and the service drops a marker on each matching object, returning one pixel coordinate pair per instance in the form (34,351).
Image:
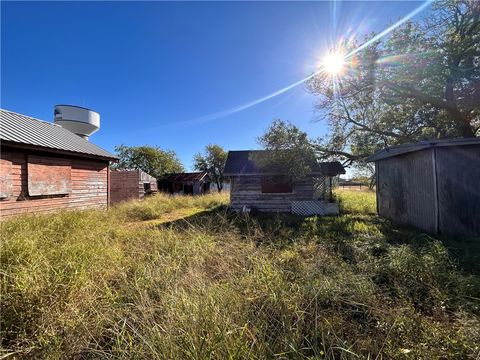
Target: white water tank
(81,121)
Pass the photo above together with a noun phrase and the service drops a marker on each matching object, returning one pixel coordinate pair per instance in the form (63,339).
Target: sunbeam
(233,110)
(390,28)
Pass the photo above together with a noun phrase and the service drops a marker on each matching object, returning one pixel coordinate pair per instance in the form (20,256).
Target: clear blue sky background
(149,67)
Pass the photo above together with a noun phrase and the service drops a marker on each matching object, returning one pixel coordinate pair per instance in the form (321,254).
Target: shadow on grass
(342,233)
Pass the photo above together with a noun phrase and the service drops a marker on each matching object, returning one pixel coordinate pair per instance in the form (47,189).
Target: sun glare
(333,63)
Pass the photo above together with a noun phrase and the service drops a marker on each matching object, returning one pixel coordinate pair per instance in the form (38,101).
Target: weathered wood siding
(458,174)
(88,183)
(124,186)
(128,185)
(406,189)
(247,191)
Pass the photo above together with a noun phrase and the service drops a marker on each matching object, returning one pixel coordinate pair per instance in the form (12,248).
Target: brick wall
(87,185)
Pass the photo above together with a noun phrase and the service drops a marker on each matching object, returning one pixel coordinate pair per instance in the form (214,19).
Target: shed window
(276,184)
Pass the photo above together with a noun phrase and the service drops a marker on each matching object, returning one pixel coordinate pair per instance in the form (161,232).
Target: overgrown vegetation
(217,285)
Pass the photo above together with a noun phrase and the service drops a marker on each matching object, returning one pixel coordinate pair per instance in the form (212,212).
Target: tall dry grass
(219,285)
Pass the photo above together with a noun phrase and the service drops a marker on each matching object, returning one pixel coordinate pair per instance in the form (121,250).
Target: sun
(333,63)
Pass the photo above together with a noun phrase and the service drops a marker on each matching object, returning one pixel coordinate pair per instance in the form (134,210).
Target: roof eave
(57,151)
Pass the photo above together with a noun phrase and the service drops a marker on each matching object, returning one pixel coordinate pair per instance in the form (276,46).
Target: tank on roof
(81,121)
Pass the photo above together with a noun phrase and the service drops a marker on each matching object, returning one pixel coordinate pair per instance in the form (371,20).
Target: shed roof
(25,131)
(183,177)
(422,145)
(243,163)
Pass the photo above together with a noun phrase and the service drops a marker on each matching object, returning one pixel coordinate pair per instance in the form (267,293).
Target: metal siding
(405,189)
(24,129)
(458,170)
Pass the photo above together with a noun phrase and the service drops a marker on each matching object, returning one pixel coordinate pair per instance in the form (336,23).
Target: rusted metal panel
(48,176)
(405,189)
(458,174)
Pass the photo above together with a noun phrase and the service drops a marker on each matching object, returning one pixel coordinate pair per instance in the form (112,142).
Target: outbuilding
(46,167)
(252,188)
(191,183)
(130,185)
(432,185)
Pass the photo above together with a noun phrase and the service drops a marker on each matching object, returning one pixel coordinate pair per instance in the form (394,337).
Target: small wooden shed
(130,184)
(192,183)
(433,185)
(252,188)
(45,167)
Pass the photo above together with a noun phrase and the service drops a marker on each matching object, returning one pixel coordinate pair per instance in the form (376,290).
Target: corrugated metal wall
(458,174)
(406,189)
(436,190)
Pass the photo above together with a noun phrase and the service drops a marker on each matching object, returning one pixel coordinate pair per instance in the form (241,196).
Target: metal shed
(432,185)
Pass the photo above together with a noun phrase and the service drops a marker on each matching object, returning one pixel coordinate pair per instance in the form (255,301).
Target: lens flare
(333,63)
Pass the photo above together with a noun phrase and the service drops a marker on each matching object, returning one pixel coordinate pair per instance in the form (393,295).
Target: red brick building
(45,167)
(130,184)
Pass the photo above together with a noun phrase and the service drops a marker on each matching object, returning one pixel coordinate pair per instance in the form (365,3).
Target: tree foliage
(423,82)
(290,150)
(212,161)
(151,159)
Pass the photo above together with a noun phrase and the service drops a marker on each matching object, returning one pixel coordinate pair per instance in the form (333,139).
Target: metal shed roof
(242,163)
(25,131)
(407,148)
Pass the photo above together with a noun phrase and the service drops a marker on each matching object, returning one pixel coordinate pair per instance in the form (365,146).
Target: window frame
(284,182)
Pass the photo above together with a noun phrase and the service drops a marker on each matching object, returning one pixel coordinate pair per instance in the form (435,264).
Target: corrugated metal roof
(243,163)
(21,129)
(182,177)
(407,148)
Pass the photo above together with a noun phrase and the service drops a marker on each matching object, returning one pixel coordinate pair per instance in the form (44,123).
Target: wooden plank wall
(125,186)
(458,174)
(89,186)
(247,191)
(406,189)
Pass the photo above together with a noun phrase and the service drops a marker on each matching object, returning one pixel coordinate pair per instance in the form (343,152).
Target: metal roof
(18,129)
(422,145)
(183,177)
(243,163)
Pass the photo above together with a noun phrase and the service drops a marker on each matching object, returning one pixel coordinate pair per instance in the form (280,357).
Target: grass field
(183,278)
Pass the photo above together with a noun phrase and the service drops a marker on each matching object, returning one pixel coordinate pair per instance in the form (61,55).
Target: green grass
(218,285)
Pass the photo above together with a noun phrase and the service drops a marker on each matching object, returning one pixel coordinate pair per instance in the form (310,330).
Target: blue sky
(152,69)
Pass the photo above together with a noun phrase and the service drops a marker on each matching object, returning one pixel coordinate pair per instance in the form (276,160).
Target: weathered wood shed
(432,185)
(193,183)
(130,184)
(255,189)
(45,167)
